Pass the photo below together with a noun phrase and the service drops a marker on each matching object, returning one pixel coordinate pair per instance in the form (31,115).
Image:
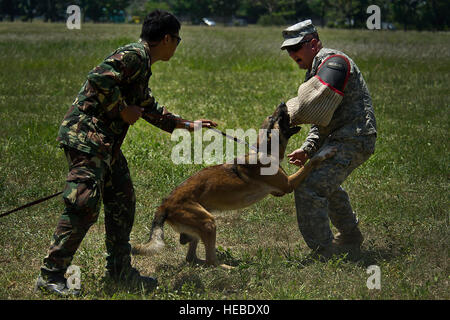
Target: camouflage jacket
(353,117)
(93,123)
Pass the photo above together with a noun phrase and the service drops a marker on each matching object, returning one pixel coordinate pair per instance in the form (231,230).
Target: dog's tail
(156,242)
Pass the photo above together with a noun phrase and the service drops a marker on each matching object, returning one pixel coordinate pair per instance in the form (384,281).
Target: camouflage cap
(294,34)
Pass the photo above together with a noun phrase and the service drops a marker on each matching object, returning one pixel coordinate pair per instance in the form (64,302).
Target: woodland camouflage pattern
(90,180)
(352,129)
(91,134)
(93,123)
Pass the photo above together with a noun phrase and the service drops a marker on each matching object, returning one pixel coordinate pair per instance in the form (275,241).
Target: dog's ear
(282,107)
(280,110)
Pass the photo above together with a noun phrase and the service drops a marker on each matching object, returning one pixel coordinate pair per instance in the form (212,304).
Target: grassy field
(235,76)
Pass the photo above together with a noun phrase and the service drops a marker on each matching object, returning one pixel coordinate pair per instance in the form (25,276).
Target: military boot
(55,283)
(343,243)
(325,253)
(131,278)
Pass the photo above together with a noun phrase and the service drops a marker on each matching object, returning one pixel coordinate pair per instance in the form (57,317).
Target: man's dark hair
(157,24)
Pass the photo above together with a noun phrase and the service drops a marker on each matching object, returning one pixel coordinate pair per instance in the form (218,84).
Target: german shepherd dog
(226,187)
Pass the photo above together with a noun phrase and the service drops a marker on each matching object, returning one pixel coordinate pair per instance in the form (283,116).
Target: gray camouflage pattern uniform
(352,130)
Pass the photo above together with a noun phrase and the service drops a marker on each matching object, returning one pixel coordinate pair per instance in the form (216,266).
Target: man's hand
(298,157)
(131,114)
(205,124)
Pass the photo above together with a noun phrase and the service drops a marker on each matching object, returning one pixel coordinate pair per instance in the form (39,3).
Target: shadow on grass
(365,258)
(374,256)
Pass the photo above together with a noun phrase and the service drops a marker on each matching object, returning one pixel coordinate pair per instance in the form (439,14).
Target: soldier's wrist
(307,150)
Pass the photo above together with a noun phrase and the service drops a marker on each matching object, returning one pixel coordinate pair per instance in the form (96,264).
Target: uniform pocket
(80,193)
(83,188)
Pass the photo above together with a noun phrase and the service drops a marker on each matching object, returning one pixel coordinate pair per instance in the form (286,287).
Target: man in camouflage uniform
(115,96)
(351,128)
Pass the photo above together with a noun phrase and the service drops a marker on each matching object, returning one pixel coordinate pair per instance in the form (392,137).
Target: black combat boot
(120,271)
(55,283)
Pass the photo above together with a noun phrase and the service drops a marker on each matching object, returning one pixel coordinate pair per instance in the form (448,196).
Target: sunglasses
(177,37)
(297,47)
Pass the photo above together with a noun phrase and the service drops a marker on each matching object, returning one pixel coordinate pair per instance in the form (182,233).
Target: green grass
(235,76)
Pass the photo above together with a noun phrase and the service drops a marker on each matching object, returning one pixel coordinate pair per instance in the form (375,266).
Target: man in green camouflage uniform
(351,129)
(115,96)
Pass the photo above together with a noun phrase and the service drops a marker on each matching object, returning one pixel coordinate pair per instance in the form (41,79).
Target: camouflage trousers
(321,198)
(91,180)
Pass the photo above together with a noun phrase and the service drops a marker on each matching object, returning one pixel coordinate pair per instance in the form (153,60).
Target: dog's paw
(324,154)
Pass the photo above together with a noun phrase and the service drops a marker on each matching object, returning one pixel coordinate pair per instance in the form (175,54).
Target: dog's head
(279,120)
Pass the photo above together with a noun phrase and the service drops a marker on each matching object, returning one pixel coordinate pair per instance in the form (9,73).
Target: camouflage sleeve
(107,78)
(313,141)
(159,116)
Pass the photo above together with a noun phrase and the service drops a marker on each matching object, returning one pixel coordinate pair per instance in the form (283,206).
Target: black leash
(234,138)
(58,193)
(31,204)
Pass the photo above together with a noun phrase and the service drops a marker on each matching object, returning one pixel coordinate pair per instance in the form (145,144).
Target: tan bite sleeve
(315,103)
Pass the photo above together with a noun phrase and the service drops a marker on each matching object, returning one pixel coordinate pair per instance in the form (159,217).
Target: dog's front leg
(298,177)
(285,184)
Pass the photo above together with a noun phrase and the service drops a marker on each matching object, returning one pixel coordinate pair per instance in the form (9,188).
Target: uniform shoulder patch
(334,71)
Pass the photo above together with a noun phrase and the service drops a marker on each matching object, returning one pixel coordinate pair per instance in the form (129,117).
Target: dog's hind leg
(197,223)
(209,240)
(191,256)
(185,238)
(207,231)
(156,242)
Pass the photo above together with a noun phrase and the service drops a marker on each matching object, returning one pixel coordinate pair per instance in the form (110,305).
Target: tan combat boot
(343,243)
(353,239)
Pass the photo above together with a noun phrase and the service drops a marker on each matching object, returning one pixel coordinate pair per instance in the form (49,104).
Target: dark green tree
(435,15)
(194,10)
(319,9)
(405,12)
(9,8)
(224,8)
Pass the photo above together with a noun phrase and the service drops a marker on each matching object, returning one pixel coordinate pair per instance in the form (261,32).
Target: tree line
(403,14)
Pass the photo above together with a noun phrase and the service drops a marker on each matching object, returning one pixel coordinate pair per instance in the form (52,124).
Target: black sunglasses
(297,47)
(177,37)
